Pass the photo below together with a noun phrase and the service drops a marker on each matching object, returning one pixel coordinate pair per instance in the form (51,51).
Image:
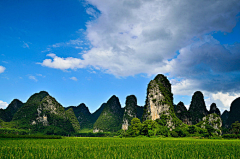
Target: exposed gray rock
(160,101)
(214,121)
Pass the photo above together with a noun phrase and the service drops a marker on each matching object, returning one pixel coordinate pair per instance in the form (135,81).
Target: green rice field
(103,148)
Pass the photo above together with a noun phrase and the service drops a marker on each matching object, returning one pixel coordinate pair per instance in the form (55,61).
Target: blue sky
(86,51)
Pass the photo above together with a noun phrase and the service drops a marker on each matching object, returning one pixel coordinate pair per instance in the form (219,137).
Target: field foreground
(119,148)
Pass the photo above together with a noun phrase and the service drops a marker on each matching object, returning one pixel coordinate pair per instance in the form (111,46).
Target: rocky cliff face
(182,113)
(110,118)
(159,101)
(214,109)
(214,121)
(29,110)
(197,109)
(42,110)
(130,111)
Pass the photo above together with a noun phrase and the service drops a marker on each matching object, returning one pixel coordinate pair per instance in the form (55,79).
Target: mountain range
(43,113)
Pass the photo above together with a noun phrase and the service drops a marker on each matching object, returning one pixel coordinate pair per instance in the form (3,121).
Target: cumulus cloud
(2,69)
(184,87)
(225,98)
(187,87)
(129,37)
(63,63)
(3,104)
(214,67)
(74,78)
(92,12)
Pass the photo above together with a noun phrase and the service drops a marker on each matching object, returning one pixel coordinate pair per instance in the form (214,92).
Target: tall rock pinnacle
(130,111)
(197,108)
(159,101)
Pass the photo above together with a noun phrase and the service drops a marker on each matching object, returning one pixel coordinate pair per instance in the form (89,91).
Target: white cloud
(132,37)
(2,69)
(129,37)
(74,78)
(188,87)
(3,104)
(63,63)
(32,78)
(184,87)
(225,98)
(92,12)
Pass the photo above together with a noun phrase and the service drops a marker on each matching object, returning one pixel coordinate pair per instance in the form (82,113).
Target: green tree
(135,128)
(192,129)
(162,130)
(148,127)
(210,129)
(236,127)
(163,120)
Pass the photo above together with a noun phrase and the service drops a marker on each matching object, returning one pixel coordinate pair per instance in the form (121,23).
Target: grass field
(68,148)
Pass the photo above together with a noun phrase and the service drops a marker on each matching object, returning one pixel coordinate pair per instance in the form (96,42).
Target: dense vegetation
(84,117)
(107,148)
(159,128)
(7,114)
(111,116)
(42,114)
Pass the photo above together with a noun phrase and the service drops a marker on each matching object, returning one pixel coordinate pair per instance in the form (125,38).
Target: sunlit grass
(119,148)
(85,130)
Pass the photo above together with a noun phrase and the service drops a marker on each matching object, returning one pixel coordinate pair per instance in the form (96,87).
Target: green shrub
(174,134)
(229,136)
